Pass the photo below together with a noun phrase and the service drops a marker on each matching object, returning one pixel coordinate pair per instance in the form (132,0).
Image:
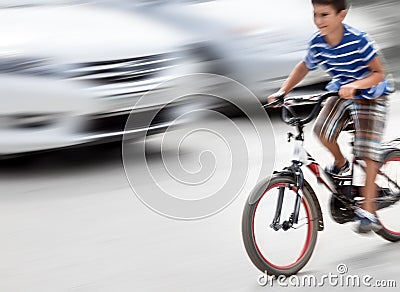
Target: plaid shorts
(369,118)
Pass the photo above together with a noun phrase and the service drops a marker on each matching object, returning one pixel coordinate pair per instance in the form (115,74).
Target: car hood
(83,33)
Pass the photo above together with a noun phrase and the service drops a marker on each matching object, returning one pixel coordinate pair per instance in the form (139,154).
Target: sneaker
(367,222)
(333,169)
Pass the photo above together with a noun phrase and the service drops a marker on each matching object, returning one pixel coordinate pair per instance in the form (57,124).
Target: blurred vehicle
(254,42)
(70,73)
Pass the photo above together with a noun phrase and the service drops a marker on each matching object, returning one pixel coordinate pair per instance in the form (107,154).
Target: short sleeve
(366,49)
(311,59)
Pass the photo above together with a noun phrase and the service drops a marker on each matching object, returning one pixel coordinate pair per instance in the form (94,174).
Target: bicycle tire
(248,232)
(388,232)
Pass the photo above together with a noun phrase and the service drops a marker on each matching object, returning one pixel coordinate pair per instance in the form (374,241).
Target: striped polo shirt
(347,61)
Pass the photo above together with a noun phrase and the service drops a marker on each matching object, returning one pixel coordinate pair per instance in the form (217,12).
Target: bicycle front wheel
(279,252)
(388,201)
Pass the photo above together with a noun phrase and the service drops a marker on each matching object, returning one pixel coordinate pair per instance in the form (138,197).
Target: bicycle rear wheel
(279,252)
(388,201)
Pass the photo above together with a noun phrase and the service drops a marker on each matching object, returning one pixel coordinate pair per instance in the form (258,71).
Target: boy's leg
(367,219)
(334,148)
(369,191)
(370,117)
(331,120)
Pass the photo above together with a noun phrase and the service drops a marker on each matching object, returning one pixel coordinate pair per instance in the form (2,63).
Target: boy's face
(327,19)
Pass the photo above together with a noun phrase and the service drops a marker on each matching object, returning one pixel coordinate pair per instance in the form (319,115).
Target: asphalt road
(69,221)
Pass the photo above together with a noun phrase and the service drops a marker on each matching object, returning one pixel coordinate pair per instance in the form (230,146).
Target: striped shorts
(369,118)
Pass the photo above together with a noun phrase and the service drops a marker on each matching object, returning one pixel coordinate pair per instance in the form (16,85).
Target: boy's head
(339,5)
(329,14)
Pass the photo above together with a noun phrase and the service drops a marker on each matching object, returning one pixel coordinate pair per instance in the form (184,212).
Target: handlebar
(290,117)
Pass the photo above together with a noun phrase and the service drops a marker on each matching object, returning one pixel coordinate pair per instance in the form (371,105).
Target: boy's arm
(297,74)
(377,76)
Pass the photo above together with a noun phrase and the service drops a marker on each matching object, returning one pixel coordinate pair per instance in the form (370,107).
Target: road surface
(69,221)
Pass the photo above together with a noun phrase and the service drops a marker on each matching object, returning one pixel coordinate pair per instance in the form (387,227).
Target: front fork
(296,171)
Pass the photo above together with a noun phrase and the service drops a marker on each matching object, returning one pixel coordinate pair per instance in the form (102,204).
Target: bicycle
(288,195)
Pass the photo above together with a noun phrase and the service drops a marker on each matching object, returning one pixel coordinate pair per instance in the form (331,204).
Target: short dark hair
(339,5)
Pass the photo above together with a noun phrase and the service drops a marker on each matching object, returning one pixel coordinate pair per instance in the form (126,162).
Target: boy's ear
(343,14)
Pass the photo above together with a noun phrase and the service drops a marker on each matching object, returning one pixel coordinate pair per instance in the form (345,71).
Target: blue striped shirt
(347,61)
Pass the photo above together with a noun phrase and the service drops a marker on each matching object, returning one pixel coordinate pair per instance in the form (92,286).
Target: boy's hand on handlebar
(277,96)
(347,91)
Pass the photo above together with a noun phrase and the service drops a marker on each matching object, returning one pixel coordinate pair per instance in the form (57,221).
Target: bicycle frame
(302,157)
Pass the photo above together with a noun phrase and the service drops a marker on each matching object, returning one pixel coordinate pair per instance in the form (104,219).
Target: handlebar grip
(279,99)
(358,92)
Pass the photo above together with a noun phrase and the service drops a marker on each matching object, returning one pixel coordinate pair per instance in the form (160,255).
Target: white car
(255,42)
(70,73)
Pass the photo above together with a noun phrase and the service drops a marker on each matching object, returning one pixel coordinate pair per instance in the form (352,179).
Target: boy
(349,57)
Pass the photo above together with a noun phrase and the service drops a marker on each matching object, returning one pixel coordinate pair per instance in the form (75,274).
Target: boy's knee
(321,137)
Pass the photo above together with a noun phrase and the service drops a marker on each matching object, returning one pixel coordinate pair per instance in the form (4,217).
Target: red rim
(309,231)
(397,233)
(390,231)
